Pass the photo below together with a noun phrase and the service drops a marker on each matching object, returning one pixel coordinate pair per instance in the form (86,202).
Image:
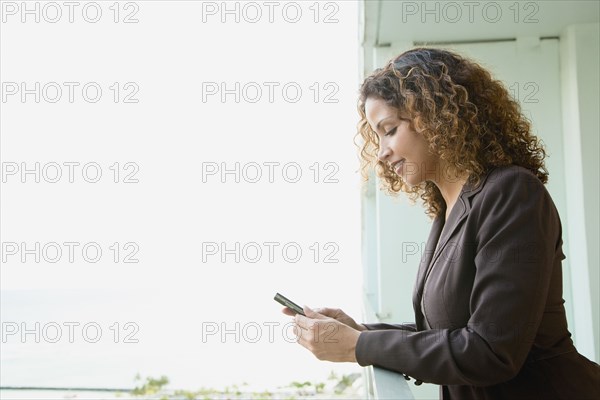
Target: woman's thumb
(313,313)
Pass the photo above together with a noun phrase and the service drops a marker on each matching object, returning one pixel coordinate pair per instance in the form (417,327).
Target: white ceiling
(393,21)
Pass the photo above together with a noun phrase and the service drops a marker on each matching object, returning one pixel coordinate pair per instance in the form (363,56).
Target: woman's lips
(398,166)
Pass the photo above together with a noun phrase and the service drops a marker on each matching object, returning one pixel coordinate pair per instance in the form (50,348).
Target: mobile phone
(289,304)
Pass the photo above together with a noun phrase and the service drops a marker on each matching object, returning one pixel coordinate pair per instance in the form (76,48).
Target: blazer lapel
(459,212)
(434,234)
(446,229)
(457,215)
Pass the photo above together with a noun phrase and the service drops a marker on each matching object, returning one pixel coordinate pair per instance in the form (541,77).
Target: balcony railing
(381,383)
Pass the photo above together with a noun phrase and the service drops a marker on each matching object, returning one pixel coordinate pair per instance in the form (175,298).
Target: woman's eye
(390,133)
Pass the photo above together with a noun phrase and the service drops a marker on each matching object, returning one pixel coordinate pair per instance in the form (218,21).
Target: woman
(490,321)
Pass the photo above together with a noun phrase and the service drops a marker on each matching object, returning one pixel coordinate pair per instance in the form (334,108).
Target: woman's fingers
(326,339)
(302,321)
(330,312)
(288,311)
(312,313)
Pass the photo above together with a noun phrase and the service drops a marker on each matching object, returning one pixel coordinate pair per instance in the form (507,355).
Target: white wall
(580,104)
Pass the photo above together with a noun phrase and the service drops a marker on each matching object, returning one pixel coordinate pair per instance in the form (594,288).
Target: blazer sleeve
(516,243)
(381,326)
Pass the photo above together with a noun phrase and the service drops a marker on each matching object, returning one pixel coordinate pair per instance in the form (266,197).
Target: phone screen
(288,303)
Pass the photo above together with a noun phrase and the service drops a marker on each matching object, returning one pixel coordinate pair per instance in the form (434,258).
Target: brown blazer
(492,325)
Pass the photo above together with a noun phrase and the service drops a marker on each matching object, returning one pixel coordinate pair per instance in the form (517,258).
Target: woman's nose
(383,153)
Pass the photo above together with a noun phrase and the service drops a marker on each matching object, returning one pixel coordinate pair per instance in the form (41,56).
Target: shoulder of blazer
(499,178)
(495,179)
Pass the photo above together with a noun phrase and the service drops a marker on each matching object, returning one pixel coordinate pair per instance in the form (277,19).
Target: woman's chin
(409,180)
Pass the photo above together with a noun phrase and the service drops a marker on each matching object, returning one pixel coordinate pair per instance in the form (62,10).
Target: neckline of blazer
(459,212)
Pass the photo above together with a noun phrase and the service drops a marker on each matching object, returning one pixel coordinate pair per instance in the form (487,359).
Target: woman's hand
(334,313)
(327,338)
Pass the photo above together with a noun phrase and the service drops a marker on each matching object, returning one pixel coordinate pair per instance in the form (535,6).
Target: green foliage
(335,385)
(319,387)
(151,387)
(300,385)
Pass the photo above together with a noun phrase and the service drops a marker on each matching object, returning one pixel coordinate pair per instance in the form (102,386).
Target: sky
(167,167)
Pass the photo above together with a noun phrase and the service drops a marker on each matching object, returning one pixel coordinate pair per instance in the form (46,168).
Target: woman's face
(399,145)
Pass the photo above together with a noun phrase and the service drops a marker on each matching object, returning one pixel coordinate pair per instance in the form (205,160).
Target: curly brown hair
(468,118)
